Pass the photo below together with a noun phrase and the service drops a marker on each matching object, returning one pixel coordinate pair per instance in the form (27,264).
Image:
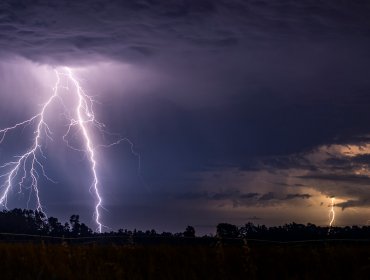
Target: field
(161,261)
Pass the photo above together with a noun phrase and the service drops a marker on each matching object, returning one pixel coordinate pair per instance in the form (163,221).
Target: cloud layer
(244,105)
(66,31)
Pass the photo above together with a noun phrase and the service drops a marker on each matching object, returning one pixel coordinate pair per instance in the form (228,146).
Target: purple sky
(240,110)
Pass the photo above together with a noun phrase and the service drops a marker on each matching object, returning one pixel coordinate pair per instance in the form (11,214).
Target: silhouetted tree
(225,230)
(189,231)
(55,227)
(85,230)
(75,224)
(167,234)
(77,228)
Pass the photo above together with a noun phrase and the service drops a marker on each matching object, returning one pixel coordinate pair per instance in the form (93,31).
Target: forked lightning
(27,168)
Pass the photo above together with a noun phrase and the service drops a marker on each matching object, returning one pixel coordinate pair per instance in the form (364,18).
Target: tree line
(21,221)
(292,232)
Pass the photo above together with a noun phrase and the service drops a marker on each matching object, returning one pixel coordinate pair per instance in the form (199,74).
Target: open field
(161,261)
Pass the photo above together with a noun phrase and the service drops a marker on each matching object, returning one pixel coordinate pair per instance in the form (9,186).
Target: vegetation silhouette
(33,246)
(35,223)
(21,221)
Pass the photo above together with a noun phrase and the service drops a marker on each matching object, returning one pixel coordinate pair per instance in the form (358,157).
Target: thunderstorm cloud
(238,108)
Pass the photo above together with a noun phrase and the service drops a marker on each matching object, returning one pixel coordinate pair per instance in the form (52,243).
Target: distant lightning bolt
(28,166)
(331,213)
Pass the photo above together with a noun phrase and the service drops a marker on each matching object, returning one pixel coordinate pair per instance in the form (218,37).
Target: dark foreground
(159,261)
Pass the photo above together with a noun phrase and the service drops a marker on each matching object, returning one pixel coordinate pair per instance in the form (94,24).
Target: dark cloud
(68,30)
(361,159)
(298,195)
(238,199)
(249,195)
(225,195)
(288,162)
(339,163)
(354,203)
(348,163)
(349,178)
(251,86)
(267,196)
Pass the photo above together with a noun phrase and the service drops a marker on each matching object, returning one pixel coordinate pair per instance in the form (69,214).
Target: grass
(312,261)
(161,261)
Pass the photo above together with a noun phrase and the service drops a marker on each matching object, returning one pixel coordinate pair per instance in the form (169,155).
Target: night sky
(240,110)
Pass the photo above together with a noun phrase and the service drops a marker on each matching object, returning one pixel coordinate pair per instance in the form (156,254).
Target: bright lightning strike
(29,167)
(331,213)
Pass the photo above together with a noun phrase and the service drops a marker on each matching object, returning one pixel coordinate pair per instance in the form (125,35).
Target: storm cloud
(234,105)
(68,30)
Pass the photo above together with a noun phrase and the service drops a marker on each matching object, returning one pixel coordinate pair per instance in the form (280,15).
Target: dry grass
(312,261)
(40,261)
(53,261)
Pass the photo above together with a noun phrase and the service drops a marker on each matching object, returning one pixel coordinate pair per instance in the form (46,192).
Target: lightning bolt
(29,166)
(31,157)
(331,213)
